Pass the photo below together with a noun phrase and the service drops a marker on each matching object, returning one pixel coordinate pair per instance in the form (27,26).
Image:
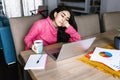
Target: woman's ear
(55,14)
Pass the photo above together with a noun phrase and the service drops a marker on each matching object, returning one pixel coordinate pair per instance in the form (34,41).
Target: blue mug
(38,46)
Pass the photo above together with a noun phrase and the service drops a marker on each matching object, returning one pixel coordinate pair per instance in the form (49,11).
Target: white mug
(38,46)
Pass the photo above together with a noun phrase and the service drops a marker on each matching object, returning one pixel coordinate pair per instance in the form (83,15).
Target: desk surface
(72,69)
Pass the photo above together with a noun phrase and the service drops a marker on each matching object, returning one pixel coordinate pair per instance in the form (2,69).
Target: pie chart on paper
(105,54)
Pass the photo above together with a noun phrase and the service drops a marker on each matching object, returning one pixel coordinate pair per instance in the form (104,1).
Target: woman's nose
(63,19)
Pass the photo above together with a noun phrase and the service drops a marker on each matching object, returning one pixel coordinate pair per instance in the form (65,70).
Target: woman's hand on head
(66,24)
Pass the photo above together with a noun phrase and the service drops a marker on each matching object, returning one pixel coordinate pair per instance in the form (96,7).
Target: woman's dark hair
(62,36)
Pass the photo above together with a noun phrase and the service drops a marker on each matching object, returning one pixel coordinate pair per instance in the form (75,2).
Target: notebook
(69,49)
(36,61)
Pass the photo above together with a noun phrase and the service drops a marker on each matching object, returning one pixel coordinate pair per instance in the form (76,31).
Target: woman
(60,26)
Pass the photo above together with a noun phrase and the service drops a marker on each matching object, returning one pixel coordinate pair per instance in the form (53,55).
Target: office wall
(106,5)
(109,6)
(51,4)
(81,4)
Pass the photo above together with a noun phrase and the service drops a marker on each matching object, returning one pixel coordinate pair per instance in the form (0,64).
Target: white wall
(12,8)
(29,5)
(110,6)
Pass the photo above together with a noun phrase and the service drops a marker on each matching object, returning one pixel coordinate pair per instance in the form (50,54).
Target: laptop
(62,51)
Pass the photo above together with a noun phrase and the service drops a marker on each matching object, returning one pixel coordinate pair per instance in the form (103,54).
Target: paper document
(36,61)
(108,57)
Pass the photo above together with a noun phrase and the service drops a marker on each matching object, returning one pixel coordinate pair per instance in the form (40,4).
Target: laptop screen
(60,52)
(53,50)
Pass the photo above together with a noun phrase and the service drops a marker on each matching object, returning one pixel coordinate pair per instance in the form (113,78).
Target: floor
(7,72)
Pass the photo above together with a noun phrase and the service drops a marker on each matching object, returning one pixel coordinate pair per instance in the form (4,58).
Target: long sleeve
(30,37)
(41,30)
(46,31)
(74,35)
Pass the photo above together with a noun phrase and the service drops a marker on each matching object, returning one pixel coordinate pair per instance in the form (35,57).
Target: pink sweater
(44,30)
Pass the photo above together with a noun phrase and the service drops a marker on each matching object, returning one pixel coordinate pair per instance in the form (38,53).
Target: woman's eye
(62,15)
(67,19)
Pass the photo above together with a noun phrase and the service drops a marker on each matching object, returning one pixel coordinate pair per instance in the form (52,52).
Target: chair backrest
(19,28)
(111,20)
(88,24)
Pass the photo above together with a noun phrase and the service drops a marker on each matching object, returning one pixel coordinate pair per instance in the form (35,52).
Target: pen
(39,58)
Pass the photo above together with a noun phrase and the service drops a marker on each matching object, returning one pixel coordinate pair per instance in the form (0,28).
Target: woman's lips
(61,23)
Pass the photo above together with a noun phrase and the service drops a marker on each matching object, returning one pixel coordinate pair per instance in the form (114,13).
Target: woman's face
(61,18)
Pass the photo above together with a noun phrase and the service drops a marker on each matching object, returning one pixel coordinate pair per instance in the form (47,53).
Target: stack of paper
(109,57)
(36,61)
